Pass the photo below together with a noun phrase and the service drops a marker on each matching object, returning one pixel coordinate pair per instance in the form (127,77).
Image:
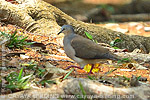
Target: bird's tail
(115,57)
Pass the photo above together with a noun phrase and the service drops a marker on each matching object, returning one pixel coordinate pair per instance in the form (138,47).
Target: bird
(82,50)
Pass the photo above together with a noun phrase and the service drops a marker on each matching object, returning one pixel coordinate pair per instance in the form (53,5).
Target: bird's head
(66,29)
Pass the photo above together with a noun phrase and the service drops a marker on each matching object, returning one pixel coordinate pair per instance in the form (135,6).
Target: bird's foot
(73,66)
(91,70)
(81,68)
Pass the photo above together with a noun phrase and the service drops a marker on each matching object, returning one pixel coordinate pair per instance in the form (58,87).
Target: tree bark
(71,87)
(40,17)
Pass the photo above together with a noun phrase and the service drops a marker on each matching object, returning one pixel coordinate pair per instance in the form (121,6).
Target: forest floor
(47,52)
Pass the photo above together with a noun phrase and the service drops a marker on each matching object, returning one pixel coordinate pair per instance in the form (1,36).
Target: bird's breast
(70,52)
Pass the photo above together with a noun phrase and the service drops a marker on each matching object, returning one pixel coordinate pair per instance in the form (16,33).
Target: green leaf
(4,34)
(112,43)
(25,78)
(24,82)
(119,61)
(12,87)
(13,40)
(20,74)
(19,45)
(115,47)
(41,72)
(9,80)
(16,81)
(88,35)
(12,77)
(68,73)
(91,77)
(13,35)
(109,72)
(138,78)
(24,86)
(126,78)
(126,59)
(47,81)
(95,41)
(82,90)
(22,40)
(29,43)
(117,40)
(123,60)
(50,82)
(10,46)
(16,41)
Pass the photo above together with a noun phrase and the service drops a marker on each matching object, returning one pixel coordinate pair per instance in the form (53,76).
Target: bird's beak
(60,32)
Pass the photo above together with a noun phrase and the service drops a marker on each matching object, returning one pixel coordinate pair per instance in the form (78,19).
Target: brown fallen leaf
(13,62)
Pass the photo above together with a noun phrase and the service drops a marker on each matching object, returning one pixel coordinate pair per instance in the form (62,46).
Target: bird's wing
(87,49)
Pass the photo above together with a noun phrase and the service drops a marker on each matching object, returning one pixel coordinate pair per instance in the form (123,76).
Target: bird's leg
(73,66)
(91,69)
